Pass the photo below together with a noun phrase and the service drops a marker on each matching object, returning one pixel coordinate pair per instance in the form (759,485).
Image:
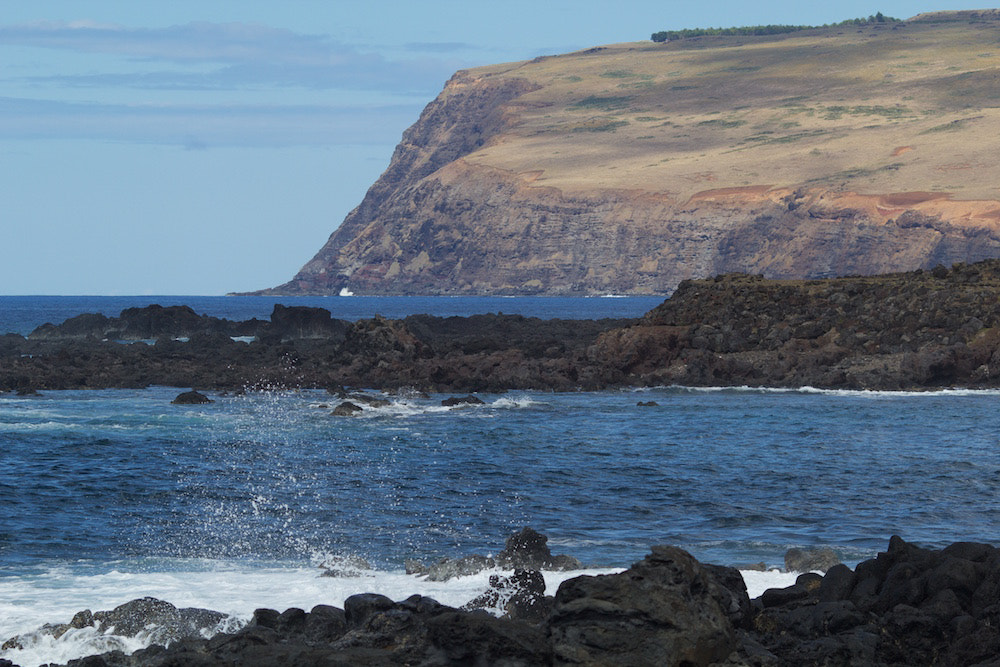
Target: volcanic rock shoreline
(907,331)
(907,606)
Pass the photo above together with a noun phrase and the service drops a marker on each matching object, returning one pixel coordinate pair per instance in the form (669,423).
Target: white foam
(806,389)
(757,582)
(236,589)
(514,402)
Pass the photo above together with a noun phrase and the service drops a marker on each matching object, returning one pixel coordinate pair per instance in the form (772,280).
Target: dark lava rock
(299,322)
(661,611)
(461,400)
(520,596)
(372,401)
(647,404)
(162,622)
(524,550)
(191,398)
(347,409)
(819,559)
(908,606)
(528,550)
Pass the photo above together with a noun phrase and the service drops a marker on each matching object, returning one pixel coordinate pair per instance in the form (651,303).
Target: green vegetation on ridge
(759,30)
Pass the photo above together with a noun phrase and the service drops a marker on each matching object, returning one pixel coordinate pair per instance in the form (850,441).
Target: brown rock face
(629,168)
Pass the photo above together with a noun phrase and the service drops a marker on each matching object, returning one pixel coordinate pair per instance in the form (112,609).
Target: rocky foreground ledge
(917,330)
(908,606)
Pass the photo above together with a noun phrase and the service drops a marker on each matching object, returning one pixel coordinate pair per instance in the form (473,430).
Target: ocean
(113,495)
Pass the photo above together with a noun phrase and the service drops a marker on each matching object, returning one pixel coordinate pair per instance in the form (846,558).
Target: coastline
(698,336)
(913,331)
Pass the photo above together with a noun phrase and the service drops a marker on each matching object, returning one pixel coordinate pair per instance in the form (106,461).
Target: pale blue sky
(203,147)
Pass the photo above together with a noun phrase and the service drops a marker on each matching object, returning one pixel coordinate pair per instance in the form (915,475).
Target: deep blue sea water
(21,314)
(112,495)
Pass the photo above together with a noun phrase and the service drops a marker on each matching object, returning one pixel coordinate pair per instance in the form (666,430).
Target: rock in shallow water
(819,559)
(191,398)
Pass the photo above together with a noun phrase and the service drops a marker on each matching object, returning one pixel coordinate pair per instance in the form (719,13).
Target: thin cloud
(197,41)
(197,127)
(424,78)
(236,55)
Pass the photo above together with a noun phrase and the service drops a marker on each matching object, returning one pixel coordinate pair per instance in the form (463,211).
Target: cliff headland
(625,169)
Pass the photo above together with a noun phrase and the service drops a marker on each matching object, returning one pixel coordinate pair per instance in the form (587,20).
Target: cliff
(628,168)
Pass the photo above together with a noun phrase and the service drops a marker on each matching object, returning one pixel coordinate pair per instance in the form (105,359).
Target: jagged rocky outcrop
(915,330)
(907,606)
(626,169)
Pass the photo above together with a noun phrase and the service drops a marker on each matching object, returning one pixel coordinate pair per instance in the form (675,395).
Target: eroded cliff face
(545,178)
(466,116)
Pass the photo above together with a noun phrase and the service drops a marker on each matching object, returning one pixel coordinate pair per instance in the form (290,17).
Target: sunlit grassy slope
(912,106)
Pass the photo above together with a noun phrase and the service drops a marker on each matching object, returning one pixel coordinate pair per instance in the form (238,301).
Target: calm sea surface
(21,314)
(112,495)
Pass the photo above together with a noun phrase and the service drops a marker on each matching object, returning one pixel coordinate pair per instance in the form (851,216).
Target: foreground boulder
(158,621)
(908,606)
(661,611)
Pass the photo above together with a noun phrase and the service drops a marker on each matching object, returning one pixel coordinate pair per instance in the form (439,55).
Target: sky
(212,146)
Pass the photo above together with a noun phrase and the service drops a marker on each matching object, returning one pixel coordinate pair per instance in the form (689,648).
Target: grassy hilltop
(882,107)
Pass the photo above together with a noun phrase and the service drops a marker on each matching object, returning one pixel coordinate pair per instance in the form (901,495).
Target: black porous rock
(191,398)
(907,606)
(524,550)
(520,596)
(347,409)
(664,610)
(160,622)
(528,549)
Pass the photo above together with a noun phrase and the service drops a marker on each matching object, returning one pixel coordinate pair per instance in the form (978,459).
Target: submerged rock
(528,549)
(345,566)
(347,409)
(524,550)
(191,398)
(819,559)
(452,401)
(449,568)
